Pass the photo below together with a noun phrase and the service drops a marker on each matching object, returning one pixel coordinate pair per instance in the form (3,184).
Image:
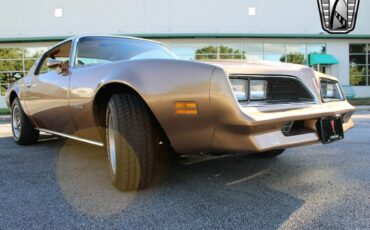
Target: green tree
(296,58)
(355,75)
(221,52)
(8,64)
(11,65)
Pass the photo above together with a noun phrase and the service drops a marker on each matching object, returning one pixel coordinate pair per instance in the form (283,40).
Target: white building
(288,30)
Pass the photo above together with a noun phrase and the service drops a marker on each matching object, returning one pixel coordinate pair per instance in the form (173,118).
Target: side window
(101,50)
(61,52)
(94,50)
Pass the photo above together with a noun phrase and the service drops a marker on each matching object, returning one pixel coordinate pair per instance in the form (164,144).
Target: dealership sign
(338,16)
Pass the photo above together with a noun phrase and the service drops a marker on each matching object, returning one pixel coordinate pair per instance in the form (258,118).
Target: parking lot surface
(60,184)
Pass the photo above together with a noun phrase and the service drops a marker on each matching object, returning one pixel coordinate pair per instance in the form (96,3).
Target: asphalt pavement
(62,184)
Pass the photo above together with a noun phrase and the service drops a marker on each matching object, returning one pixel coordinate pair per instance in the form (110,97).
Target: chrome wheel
(112,153)
(16,122)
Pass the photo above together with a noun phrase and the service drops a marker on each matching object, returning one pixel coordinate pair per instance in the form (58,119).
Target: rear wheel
(270,154)
(24,133)
(134,142)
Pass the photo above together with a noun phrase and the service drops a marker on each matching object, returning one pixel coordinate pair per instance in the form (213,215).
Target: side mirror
(54,63)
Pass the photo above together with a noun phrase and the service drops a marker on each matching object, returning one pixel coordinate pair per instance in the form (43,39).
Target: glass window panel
(274,57)
(10,53)
(9,77)
(252,48)
(61,53)
(296,48)
(207,51)
(233,46)
(254,57)
(11,65)
(357,59)
(296,53)
(230,51)
(29,63)
(34,52)
(357,48)
(316,48)
(274,48)
(357,70)
(112,49)
(184,51)
(357,80)
(295,58)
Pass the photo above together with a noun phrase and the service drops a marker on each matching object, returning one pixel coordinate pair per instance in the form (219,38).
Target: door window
(61,52)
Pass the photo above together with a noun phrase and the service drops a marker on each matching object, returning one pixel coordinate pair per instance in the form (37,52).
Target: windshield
(100,50)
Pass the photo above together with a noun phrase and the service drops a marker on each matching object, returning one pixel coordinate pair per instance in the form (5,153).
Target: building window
(359,64)
(296,53)
(274,52)
(15,63)
(252,51)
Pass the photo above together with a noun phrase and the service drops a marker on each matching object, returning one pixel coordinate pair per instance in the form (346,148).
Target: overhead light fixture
(58,12)
(252,11)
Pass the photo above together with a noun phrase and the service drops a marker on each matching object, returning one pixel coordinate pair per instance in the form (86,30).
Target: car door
(47,94)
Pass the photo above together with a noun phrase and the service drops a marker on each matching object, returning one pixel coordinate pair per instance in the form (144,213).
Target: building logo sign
(338,16)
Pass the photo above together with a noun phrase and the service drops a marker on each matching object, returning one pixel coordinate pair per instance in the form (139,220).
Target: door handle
(28,83)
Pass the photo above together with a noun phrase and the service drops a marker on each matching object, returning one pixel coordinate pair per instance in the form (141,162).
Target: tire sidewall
(110,112)
(136,142)
(17,104)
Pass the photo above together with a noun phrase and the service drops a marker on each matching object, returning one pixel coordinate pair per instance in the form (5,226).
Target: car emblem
(332,123)
(338,16)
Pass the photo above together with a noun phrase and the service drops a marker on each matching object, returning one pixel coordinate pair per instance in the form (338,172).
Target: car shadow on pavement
(231,192)
(234,189)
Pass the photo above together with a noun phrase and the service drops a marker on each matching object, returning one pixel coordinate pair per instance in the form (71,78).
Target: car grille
(281,90)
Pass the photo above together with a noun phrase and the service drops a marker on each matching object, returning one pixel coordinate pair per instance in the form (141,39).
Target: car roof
(113,36)
(76,38)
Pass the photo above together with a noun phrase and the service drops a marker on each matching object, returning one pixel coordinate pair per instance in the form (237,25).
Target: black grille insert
(286,90)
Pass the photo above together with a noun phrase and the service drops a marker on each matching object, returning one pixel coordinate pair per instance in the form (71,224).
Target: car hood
(235,67)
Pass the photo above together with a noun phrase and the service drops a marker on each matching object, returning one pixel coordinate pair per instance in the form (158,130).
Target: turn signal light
(186,108)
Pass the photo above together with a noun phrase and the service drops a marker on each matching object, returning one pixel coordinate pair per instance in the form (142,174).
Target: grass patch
(360,101)
(4,111)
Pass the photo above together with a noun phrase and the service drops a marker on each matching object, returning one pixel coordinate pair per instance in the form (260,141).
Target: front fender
(161,83)
(15,89)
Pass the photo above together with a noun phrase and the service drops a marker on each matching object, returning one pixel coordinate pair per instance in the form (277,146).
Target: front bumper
(260,128)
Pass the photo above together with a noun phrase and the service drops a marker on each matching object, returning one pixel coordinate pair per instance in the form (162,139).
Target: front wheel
(134,142)
(24,133)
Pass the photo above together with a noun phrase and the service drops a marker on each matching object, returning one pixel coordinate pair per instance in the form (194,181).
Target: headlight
(330,90)
(240,88)
(258,90)
(252,90)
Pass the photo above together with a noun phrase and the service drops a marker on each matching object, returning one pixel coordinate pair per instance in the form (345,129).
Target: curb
(5,118)
(362,108)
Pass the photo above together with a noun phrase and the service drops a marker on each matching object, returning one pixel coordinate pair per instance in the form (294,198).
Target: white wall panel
(20,18)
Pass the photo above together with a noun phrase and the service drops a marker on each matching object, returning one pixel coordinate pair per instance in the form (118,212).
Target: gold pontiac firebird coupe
(137,98)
